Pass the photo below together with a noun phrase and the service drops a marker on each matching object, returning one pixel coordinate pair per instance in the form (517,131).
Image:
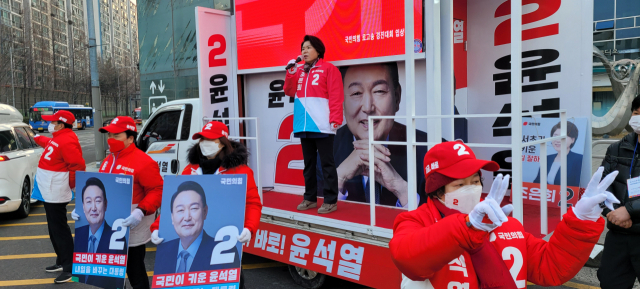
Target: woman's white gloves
(245,236)
(155,239)
(75,216)
(134,219)
(588,207)
(491,207)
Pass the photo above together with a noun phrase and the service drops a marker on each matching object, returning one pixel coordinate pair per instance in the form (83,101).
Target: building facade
(168,58)
(616,31)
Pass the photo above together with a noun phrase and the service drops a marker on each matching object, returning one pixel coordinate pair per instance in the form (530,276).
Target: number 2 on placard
(49,152)
(213,39)
(461,149)
(509,252)
(217,257)
(114,244)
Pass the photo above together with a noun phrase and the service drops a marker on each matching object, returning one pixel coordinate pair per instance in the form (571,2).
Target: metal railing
(516,149)
(256,173)
(600,142)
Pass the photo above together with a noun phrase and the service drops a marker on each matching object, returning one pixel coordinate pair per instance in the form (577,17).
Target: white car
(19,156)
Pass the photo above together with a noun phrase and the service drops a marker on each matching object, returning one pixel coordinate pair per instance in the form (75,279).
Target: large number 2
(315,79)
(114,244)
(217,257)
(545,9)
(509,252)
(217,38)
(48,155)
(461,149)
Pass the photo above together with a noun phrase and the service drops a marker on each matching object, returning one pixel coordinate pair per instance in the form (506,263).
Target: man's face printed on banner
(94,205)
(188,214)
(369,90)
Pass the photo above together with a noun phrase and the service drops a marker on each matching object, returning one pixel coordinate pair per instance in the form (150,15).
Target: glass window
(31,134)
(624,23)
(7,141)
(603,35)
(637,21)
(628,33)
(23,137)
(626,8)
(604,25)
(628,48)
(162,127)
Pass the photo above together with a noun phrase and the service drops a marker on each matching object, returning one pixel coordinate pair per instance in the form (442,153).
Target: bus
(83,114)
(137,115)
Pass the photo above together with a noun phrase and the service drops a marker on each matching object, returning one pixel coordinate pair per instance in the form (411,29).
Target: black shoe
(54,268)
(63,278)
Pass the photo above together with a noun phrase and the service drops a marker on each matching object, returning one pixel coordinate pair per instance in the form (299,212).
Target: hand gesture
(588,207)
(490,207)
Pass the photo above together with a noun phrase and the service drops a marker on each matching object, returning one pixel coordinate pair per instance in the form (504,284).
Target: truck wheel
(306,278)
(25,194)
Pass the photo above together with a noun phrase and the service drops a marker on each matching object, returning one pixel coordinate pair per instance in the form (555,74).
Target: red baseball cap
(212,130)
(62,115)
(120,124)
(455,160)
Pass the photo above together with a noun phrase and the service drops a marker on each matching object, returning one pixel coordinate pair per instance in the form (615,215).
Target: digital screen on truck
(269,33)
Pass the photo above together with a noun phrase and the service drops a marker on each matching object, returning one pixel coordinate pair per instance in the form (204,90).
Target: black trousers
(60,234)
(136,270)
(311,148)
(620,265)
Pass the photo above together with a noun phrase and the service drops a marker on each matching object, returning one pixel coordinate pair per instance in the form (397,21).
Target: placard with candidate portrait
(103,202)
(201,220)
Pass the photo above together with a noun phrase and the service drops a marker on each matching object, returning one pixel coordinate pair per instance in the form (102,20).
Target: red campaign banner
(269,33)
(197,278)
(531,195)
(358,262)
(102,259)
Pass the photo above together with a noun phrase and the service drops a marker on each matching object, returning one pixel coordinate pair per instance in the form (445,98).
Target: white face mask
(463,199)
(634,123)
(51,128)
(209,148)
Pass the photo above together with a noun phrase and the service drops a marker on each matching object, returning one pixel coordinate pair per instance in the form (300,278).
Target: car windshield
(7,142)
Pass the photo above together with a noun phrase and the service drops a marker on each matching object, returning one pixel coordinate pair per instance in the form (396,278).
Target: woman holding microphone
(317,114)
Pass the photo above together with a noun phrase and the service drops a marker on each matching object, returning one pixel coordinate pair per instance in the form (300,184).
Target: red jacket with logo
(236,161)
(426,247)
(62,154)
(147,181)
(319,95)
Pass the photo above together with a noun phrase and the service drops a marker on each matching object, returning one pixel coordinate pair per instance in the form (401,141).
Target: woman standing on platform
(317,114)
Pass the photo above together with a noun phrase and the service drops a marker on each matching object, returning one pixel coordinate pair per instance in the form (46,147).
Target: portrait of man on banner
(100,247)
(203,215)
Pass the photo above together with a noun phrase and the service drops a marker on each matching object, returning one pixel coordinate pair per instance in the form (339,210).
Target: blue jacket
(574,167)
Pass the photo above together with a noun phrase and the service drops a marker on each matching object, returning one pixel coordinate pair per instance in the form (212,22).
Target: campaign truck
(424,70)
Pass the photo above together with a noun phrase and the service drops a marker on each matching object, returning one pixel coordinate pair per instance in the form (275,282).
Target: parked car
(19,156)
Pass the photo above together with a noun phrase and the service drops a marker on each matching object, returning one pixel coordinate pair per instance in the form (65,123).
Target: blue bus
(83,114)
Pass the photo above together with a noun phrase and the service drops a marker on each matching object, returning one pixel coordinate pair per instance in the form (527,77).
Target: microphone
(293,64)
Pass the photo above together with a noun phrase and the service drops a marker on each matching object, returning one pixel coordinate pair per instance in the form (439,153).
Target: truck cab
(166,135)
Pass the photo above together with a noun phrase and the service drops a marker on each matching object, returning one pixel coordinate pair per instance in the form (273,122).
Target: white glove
(134,219)
(75,216)
(491,207)
(245,236)
(293,69)
(155,239)
(588,207)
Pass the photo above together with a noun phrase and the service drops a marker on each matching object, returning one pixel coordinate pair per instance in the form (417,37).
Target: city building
(168,58)
(616,32)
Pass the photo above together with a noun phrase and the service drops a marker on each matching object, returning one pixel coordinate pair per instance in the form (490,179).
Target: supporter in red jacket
(317,114)
(55,180)
(216,154)
(457,241)
(125,158)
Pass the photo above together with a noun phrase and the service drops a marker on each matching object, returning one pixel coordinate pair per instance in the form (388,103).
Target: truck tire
(25,196)
(306,278)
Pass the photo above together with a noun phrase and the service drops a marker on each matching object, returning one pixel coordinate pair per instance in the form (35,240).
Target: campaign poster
(376,89)
(349,29)
(103,202)
(201,219)
(534,129)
